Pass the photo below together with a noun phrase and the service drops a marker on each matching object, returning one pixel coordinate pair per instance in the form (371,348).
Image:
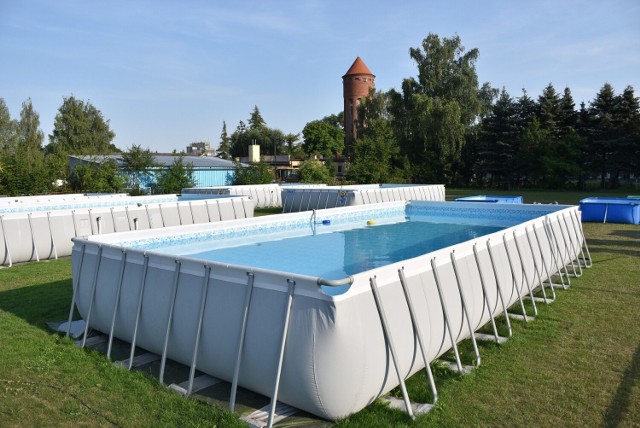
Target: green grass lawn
(577,364)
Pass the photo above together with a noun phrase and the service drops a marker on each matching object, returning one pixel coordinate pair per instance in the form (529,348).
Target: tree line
(443,127)
(27,167)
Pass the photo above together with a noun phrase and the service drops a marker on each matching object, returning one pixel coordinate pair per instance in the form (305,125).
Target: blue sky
(168,73)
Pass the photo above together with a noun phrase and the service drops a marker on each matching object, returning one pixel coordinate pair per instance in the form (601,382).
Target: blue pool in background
(494,199)
(611,210)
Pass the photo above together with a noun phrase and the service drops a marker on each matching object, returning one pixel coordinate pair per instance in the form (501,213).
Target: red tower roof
(358,67)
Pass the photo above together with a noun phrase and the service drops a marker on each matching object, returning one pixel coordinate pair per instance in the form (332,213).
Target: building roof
(167,160)
(358,68)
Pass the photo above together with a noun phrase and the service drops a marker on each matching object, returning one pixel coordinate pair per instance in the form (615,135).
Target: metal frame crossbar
(53,241)
(94,285)
(525,276)
(33,238)
(546,264)
(76,286)
(540,270)
(587,262)
(203,305)
(557,253)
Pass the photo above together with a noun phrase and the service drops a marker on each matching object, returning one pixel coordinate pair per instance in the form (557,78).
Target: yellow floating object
(371,222)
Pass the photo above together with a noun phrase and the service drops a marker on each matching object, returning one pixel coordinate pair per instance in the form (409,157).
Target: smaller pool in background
(611,210)
(493,199)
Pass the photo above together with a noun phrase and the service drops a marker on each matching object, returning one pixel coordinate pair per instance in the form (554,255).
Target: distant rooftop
(168,159)
(358,68)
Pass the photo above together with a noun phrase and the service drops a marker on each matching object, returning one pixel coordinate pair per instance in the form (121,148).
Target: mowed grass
(577,364)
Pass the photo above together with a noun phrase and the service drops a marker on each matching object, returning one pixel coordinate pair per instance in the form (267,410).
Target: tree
(138,163)
(177,177)
(7,128)
(256,173)
(375,153)
(549,111)
(322,138)
(313,171)
(434,112)
(80,129)
(24,170)
(98,177)
(256,122)
(627,118)
(604,134)
(224,148)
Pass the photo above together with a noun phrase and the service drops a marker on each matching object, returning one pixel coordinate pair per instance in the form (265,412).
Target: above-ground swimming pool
(610,210)
(34,232)
(329,326)
(297,199)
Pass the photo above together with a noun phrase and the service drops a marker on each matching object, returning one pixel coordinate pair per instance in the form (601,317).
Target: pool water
(338,253)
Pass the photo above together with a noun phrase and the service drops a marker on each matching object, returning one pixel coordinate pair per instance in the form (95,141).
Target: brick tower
(356,84)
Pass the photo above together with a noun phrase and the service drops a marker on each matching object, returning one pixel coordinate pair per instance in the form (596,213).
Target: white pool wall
(305,199)
(41,235)
(263,195)
(335,360)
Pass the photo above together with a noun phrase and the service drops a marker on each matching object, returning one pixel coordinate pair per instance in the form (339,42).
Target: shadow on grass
(631,234)
(614,246)
(38,304)
(619,406)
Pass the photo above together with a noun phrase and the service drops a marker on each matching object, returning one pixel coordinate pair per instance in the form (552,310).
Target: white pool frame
(278,334)
(40,235)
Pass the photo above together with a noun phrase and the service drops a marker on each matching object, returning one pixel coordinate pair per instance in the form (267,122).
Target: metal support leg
(243,330)
(418,334)
(514,281)
(544,264)
(203,305)
(573,246)
(174,292)
(75,289)
(524,273)
(454,345)
(6,242)
(283,342)
(33,238)
(537,271)
(53,241)
(567,249)
(143,282)
(390,346)
(485,294)
(465,310)
(551,236)
(502,301)
(116,303)
(585,248)
(93,295)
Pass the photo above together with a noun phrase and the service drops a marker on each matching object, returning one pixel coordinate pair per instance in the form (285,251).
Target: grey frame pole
(283,342)
(174,291)
(484,292)
(243,330)
(116,303)
(544,264)
(203,305)
(574,248)
(495,275)
(390,346)
(33,238)
(75,289)
(53,241)
(587,262)
(143,282)
(93,295)
(526,277)
(551,236)
(418,334)
(569,255)
(464,309)
(454,345)
(513,277)
(535,266)
(6,243)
